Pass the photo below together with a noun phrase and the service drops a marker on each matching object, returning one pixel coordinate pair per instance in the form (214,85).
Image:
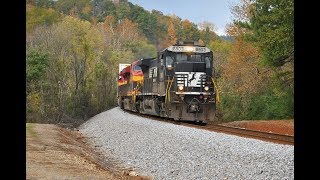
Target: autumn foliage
(254,85)
(74,47)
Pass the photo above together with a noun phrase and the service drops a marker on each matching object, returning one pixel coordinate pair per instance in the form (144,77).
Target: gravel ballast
(168,151)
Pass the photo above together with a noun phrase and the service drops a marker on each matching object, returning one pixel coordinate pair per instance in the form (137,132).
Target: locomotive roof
(187,46)
(124,71)
(145,62)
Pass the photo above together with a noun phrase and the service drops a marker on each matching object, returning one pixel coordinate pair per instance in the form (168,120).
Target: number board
(195,49)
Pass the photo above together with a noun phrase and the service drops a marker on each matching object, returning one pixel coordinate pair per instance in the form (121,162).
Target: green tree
(272,24)
(221,50)
(161,29)
(257,77)
(36,16)
(37,62)
(74,7)
(75,46)
(36,67)
(147,22)
(44,3)
(102,9)
(189,31)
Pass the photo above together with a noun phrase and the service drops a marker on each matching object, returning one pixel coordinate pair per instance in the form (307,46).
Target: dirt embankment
(285,127)
(57,153)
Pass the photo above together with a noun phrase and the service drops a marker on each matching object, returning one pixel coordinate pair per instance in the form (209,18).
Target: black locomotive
(177,84)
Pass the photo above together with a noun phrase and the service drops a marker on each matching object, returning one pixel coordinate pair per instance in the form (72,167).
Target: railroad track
(267,136)
(261,135)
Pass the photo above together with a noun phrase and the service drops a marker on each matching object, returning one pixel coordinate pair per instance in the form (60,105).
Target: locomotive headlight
(180,87)
(206,88)
(189,48)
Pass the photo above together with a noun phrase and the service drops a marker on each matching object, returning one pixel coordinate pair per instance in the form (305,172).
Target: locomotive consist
(177,84)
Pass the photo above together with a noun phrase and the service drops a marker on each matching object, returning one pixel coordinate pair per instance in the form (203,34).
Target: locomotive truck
(177,84)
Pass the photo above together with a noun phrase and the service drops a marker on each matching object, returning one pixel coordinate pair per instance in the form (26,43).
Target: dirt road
(57,153)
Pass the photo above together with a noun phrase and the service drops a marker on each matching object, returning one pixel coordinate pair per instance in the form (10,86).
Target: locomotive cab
(188,70)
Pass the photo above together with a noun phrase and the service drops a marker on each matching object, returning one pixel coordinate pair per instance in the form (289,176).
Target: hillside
(73,49)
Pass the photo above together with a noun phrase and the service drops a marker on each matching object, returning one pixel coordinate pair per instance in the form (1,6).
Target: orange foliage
(187,30)
(201,42)
(128,30)
(109,23)
(87,9)
(236,31)
(117,35)
(241,71)
(172,35)
(186,24)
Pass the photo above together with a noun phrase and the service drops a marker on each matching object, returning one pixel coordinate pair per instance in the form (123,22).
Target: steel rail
(249,133)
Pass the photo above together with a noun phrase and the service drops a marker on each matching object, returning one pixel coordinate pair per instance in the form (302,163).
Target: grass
(29,130)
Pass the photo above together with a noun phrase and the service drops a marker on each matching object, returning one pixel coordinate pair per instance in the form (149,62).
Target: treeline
(257,69)
(160,30)
(74,48)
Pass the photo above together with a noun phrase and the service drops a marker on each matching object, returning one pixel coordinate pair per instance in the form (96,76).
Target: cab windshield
(176,58)
(137,68)
(189,57)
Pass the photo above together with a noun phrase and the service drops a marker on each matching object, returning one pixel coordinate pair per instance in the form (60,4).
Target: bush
(273,103)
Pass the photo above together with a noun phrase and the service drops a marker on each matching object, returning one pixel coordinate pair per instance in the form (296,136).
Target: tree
(103,8)
(221,51)
(242,72)
(44,3)
(36,65)
(258,73)
(189,31)
(122,10)
(243,11)
(171,35)
(74,47)
(273,29)
(161,29)
(36,16)
(207,25)
(147,23)
(207,36)
(72,7)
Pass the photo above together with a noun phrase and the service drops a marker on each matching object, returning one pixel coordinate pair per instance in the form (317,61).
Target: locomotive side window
(161,60)
(207,59)
(169,61)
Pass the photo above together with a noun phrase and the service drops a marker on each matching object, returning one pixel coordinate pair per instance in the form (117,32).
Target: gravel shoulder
(169,151)
(57,153)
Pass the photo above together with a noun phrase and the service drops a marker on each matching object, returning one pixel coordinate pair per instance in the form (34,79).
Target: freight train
(177,84)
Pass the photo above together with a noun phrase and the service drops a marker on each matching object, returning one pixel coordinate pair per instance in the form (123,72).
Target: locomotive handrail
(216,90)
(168,89)
(166,99)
